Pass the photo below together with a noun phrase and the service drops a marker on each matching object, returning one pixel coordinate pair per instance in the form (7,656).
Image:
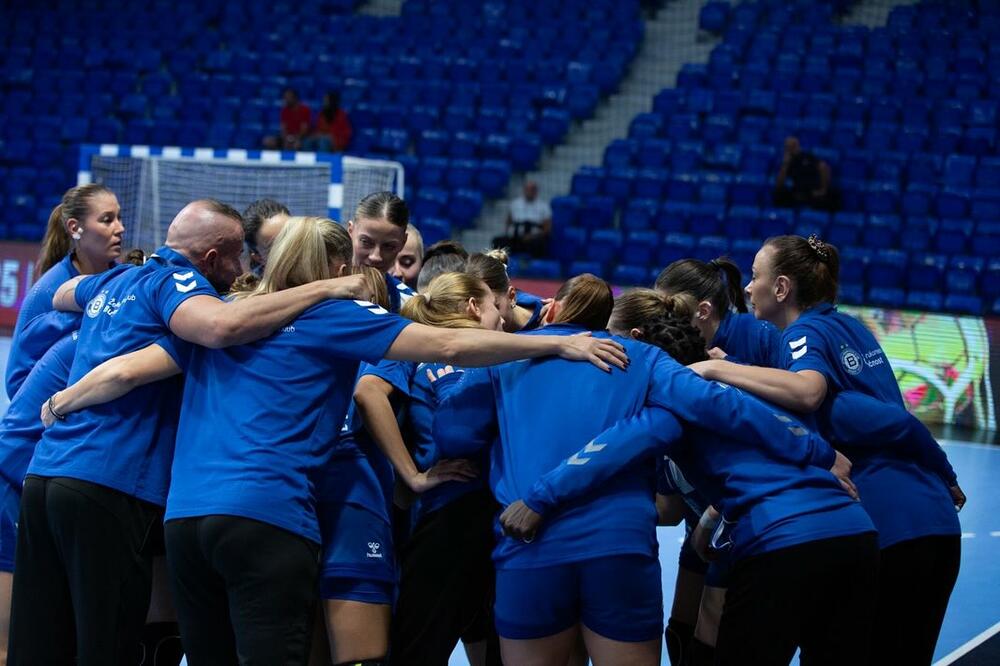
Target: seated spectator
(810,180)
(296,120)
(529,224)
(333,130)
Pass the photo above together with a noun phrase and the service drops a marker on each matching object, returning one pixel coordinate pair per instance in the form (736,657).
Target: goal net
(153,184)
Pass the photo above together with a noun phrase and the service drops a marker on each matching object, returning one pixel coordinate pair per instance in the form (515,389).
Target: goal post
(154,182)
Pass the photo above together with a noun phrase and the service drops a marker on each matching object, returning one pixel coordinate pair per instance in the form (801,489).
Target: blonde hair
(586,300)
(638,307)
(301,254)
(444,302)
(376,284)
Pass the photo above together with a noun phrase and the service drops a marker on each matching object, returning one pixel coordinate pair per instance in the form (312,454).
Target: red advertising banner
(17,268)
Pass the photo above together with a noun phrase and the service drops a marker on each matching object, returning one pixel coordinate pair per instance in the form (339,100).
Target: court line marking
(969,647)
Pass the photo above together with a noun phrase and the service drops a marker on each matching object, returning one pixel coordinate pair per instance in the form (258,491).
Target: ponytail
(56,243)
(585,300)
(375,279)
(719,282)
(443,303)
(811,264)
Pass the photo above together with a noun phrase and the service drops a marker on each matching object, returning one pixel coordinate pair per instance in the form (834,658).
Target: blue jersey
(533,303)
(259,420)
(399,293)
(411,380)
(767,501)
(748,340)
(544,409)
(905,499)
(125,444)
(21,427)
(34,333)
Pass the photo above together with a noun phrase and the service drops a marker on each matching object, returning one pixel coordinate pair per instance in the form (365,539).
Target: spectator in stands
(333,130)
(296,120)
(810,180)
(410,259)
(262,220)
(529,223)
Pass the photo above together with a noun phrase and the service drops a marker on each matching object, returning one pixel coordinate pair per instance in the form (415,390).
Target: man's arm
(111,380)
(209,322)
(824,179)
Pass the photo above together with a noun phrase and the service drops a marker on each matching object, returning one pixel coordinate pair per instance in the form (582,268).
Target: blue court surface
(974,612)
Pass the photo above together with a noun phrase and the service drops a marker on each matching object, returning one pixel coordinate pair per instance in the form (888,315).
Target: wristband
(52,409)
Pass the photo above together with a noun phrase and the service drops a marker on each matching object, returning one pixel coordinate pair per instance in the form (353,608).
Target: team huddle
(343,457)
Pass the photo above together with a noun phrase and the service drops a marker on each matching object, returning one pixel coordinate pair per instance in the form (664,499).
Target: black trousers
(84,573)
(246,592)
(818,596)
(916,578)
(447,584)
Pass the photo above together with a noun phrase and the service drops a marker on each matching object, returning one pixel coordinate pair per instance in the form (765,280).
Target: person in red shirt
(333,130)
(296,120)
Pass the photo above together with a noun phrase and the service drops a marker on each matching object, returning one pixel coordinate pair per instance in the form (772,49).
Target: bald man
(97,484)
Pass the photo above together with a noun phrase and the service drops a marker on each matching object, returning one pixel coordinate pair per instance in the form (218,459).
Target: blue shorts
(10,506)
(357,547)
(619,597)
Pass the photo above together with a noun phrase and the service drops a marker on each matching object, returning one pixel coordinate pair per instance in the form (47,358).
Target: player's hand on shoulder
(716,353)
(957,496)
(602,352)
(520,522)
(353,287)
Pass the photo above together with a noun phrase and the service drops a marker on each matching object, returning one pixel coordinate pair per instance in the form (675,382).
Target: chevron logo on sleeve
(798,347)
(578,459)
(179,282)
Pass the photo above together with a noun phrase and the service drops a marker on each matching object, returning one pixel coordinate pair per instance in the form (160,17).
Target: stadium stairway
(381,8)
(671,40)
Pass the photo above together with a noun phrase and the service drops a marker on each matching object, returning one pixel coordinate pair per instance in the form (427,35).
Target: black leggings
(84,573)
(446,584)
(246,592)
(915,582)
(818,596)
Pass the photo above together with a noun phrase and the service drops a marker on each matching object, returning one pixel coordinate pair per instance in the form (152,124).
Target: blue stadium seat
(630,275)
(619,153)
(651,153)
(464,207)
(682,187)
(493,177)
(924,300)
(673,217)
(588,181)
(525,151)
(639,214)
(713,16)
(434,229)
(990,281)
(887,268)
(959,171)
(675,246)
(464,145)
(887,297)
(711,247)
(926,272)
(953,236)
(605,245)
(882,231)
(553,125)
(434,171)
(640,247)
(580,267)
(953,203)
(917,199)
(854,263)
(564,211)
(433,143)
(964,303)
(962,275)
(986,241)
(570,243)
(618,183)
(431,202)
(462,174)
(543,269)
(597,212)
(851,294)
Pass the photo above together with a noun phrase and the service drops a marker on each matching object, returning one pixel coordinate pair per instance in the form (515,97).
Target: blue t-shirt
(258,421)
(533,303)
(544,410)
(399,293)
(411,380)
(903,498)
(21,427)
(749,340)
(34,333)
(125,444)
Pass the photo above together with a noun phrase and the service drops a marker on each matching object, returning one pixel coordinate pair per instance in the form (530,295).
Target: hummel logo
(575,459)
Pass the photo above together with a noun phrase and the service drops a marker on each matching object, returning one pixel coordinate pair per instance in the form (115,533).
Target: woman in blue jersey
(378,235)
(590,570)
(83,236)
(721,312)
(242,534)
(824,354)
(520,311)
(446,573)
(804,553)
